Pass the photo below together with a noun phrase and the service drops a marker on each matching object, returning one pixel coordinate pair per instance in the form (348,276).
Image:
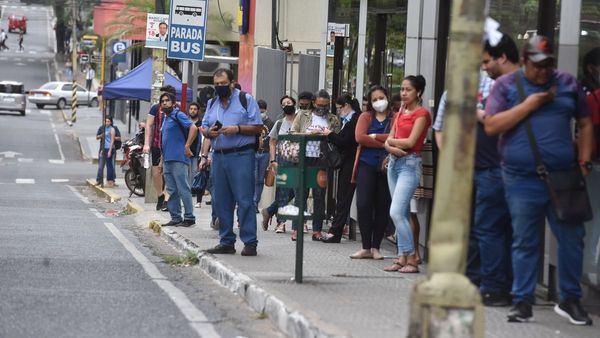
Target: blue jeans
(177,184)
(529,204)
(233,183)
(103,160)
(404,174)
(260,169)
(492,228)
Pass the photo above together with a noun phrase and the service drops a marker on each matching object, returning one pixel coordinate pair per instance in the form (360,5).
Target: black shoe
(330,238)
(222,249)
(520,312)
(187,223)
(171,223)
(165,206)
(495,299)
(249,250)
(572,310)
(256,210)
(161,201)
(208,202)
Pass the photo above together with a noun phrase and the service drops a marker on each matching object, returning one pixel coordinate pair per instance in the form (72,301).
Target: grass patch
(155,226)
(262,315)
(188,259)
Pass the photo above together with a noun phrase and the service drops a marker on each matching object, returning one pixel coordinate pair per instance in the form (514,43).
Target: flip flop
(408,265)
(394,267)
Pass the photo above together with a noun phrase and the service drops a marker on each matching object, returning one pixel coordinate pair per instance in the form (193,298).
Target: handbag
(200,181)
(270,176)
(382,164)
(567,188)
(330,155)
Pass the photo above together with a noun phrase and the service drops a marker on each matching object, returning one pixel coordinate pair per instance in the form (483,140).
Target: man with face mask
(315,121)
(193,113)
(231,128)
(177,135)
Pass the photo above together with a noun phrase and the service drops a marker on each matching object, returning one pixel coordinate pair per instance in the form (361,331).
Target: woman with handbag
(348,110)
(282,195)
(405,143)
(372,193)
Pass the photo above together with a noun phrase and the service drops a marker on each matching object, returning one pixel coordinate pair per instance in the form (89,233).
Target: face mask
(321,110)
(223,91)
(289,110)
(167,110)
(380,106)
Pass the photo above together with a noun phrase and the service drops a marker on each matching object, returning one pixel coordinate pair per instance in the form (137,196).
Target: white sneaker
(198,205)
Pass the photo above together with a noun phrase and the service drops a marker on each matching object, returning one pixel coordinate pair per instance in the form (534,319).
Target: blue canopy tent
(137,85)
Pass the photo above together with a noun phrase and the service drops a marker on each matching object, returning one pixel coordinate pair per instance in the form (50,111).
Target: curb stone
(109,195)
(290,322)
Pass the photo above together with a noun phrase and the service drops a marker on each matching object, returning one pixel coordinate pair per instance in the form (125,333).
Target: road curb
(109,195)
(290,322)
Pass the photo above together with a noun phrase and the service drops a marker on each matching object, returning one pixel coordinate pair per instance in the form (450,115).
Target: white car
(60,94)
(12,96)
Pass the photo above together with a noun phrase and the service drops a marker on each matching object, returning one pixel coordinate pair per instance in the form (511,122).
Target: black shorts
(156,153)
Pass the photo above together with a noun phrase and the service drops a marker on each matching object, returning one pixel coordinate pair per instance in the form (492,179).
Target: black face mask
(168,110)
(289,110)
(223,91)
(321,110)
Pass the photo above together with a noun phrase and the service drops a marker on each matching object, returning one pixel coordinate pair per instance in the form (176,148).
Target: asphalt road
(70,264)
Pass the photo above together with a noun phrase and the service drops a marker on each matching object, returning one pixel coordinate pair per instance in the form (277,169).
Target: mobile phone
(218,124)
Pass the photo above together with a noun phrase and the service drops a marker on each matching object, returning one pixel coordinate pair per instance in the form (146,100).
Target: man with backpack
(177,135)
(231,123)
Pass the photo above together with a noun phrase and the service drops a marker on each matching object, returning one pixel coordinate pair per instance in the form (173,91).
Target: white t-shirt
(283,130)
(318,123)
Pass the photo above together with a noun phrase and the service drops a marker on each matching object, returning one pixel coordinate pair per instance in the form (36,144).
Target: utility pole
(158,76)
(74,61)
(446,304)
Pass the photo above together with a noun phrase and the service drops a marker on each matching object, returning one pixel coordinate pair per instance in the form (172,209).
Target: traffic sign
(187,29)
(85,58)
(96,58)
(118,51)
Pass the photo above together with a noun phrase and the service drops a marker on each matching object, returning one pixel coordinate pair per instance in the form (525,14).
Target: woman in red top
(404,144)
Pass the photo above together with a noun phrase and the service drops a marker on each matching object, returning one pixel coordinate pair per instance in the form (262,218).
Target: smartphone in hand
(218,124)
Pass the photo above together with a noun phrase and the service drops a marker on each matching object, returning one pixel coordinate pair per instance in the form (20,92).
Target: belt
(234,150)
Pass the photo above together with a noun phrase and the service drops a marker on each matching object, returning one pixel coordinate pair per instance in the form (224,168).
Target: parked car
(17,22)
(12,96)
(60,94)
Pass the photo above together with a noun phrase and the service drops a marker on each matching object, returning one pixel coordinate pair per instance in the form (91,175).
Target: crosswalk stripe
(25,160)
(25,181)
(57,161)
(59,180)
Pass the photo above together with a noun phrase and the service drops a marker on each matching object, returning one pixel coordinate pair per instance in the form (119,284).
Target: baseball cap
(538,48)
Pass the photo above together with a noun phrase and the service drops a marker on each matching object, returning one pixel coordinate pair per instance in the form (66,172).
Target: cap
(538,48)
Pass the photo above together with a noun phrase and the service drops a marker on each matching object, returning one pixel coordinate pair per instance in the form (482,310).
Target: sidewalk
(340,297)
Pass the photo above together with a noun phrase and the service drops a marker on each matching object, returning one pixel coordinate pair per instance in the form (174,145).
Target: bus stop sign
(187,29)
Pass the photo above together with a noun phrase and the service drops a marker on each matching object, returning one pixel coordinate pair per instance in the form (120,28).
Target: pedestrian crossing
(21,59)
(33,181)
(3,161)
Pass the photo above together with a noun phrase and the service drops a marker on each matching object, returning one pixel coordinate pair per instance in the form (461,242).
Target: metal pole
(323,56)
(74,61)
(446,293)
(301,207)
(360,57)
(184,85)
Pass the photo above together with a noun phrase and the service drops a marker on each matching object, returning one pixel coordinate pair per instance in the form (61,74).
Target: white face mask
(380,105)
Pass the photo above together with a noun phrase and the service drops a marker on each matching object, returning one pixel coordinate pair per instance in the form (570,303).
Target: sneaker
(520,312)
(161,201)
(187,223)
(280,228)
(572,310)
(249,250)
(214,224)
(222,249)
(165,206)
(198,205)
(171,223)
(495,299)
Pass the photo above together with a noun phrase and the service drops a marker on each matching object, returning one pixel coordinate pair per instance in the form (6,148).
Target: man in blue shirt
(232,126)
(177,134)
(552,100)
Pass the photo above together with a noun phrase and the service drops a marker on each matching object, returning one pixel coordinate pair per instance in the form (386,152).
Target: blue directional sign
(118,51)
(187,29)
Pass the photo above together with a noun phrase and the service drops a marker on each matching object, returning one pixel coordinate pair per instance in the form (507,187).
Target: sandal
(396,266)
(411,268)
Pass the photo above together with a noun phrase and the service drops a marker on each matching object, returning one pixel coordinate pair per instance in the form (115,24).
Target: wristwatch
(586,164)
(204,156)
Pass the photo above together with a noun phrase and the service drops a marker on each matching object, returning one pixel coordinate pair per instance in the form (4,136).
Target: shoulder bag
(567,188)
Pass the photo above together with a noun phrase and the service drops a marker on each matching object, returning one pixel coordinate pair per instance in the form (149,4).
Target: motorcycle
(133,165)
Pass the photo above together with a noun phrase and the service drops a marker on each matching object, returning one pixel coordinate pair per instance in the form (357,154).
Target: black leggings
(372,204)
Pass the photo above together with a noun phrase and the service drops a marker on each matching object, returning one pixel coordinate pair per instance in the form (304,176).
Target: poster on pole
(157,30)
(336,30)
(187,29)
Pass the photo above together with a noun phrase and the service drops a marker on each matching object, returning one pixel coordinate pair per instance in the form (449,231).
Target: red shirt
(593,100)
(404,124)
